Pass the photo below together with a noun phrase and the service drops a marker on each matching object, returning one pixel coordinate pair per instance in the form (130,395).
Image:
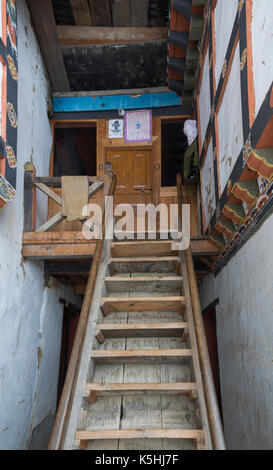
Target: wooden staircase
(140,381)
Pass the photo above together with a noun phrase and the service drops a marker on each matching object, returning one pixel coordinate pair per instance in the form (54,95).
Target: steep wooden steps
(196,434)
(135,330)
(179,388)
(150,264)
(142,356)
(142,304)
(143,284)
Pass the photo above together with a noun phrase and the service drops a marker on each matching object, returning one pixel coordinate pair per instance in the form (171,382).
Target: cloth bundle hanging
(74,196)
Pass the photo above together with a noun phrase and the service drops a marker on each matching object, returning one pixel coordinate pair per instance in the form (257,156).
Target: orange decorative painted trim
(261,161)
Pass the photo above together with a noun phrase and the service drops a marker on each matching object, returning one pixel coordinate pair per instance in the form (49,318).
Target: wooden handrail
(63,413)
(215,422)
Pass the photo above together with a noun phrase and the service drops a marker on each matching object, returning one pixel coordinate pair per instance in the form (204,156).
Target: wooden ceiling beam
(101,12)
(44,23)
(81,12)
(93,35)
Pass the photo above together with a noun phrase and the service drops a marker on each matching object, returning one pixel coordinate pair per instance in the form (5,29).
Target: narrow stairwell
(140,377)
(144,393)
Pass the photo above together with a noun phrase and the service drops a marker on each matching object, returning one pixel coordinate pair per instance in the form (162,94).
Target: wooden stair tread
(141,355)
(143,264)
(184,388)
(144,304)
(141,248)
(143,284)
(118,330)
(139,434)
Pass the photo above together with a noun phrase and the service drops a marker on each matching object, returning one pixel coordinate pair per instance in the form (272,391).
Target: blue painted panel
(107,103)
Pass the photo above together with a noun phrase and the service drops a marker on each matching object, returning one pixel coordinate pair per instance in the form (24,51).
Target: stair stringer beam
(85,363)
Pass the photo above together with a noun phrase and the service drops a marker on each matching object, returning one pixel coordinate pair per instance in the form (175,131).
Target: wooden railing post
(216,428)
(65,405)
(29,198)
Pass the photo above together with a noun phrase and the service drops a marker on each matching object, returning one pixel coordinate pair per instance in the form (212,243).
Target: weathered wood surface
(94,35)
(141,330)
(143,284)
(112,304)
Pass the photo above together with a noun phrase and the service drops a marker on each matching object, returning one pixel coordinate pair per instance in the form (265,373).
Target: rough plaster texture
(244,330)
(225,14)
(30,315)
(204,99)
(208,186)
(230,122)
(262,45)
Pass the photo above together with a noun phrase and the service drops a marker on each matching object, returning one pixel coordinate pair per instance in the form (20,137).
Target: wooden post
(29,198)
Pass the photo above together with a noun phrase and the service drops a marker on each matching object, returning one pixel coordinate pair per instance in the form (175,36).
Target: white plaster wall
(262,46)
(208,186)
(30,315)
(245,341)
(225,14)
(230,122)
(204,99)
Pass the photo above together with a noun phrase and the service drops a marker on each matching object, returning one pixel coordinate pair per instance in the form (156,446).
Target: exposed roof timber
(101,12)
(131,92)
(81,12)
(94,35)
(44,23)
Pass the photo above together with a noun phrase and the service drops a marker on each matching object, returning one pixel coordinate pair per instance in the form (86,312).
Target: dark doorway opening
(174,145)
(209,318)
(70,322)
(75,150)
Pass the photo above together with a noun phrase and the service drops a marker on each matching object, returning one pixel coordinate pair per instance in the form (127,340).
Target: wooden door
(133,171)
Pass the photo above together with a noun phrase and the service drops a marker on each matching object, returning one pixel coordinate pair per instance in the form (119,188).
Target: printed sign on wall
(116,129)
(138,126)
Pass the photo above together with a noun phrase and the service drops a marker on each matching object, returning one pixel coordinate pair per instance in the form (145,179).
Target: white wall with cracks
(244,333)
(30,314)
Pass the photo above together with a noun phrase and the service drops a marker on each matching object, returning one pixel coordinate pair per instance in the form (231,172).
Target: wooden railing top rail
(64,409)
(215,422)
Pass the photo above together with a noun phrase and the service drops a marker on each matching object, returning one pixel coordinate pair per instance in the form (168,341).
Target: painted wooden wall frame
(9,101)
(257,134)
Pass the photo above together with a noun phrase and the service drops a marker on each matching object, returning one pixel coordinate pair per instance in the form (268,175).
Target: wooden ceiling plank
(44,22)
(91,35)
(121,13)
(101,12)
(139,12)
(81,12)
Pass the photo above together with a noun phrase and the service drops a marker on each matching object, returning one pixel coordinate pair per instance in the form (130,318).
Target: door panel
(133,171)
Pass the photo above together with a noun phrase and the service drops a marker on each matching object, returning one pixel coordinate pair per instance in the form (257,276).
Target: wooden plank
(139,12)
(51,223)
(199,247)
(55,238)
(56,181)
(154,388)
(142,304)
(143,284)
(81,12)
(101,12)
(134,91)
(121,13)
(59,251)
(43,18)
(151,264)
(135,330)
(140,434)
(46,190)
(142,356)
(29,198)
(94,35)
